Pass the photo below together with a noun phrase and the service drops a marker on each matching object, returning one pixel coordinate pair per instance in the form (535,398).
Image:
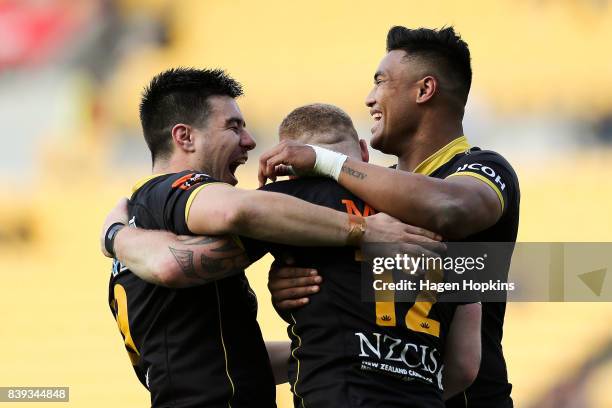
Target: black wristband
(109,237)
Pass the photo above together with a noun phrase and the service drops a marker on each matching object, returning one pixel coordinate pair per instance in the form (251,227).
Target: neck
(430,137)
(172,165)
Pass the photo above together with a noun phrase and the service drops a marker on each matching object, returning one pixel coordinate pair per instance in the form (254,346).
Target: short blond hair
(318,123)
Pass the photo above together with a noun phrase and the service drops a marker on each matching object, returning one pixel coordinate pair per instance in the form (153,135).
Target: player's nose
(370,100)
(247,141)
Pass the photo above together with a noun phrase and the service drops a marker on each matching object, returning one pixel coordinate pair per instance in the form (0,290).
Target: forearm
(280,218)
(163,258)
(279,352)
(142,251)
(416,199)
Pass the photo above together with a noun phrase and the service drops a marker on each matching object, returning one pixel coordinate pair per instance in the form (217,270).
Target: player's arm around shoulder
(280,218)
(463,349)
(469,200)
(454,207)
(223,209)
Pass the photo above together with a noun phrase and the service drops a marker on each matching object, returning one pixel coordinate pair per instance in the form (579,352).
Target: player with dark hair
(440,182)
(344,352)
(180,95)
(201,346)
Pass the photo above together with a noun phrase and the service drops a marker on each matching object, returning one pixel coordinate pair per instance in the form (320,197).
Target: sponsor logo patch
(189,180)
(488,171)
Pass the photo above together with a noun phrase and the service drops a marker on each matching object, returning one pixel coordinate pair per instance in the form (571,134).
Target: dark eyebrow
(378,74)
(235,120)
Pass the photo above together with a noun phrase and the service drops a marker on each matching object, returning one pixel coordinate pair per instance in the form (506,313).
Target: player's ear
(182,136)
(426,88)
(365,153)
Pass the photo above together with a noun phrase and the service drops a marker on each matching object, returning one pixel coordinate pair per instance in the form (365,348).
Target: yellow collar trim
(144,180)
(442,156)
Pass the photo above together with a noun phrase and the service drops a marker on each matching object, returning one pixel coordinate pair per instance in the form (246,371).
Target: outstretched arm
(222,209)
(163,258)
(454,207)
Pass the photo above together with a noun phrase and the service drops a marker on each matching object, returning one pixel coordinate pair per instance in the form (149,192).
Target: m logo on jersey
(189,180)
(351,208)
(477,167)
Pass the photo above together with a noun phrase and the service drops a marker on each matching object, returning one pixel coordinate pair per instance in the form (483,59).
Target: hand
(399,238)
(291,286)
(118,214)
(276,161)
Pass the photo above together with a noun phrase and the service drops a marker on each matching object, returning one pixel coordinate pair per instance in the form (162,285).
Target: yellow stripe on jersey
(442,156)
(486,180)
(229,377)
(123,321)
(144,180)
(297,377)
(385,302)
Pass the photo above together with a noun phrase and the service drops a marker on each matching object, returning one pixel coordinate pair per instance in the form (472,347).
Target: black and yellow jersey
(347,352)
(193,347)
(457,159)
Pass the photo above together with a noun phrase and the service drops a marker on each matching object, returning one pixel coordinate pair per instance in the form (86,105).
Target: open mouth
(233,166)
(377,116)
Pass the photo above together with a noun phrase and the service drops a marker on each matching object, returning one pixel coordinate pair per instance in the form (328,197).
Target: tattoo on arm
(354,173)
(219,257)
(185,260)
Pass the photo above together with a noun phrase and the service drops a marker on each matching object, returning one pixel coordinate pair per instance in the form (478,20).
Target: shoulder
(487,156)
(316,190)
(303,184)
(171,182)
(488,162)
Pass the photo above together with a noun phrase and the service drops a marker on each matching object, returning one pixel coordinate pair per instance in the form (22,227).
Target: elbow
(451,214)
(469,374)
(468,371)
(167,272)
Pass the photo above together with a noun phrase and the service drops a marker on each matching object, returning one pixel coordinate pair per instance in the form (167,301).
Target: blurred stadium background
(71,73)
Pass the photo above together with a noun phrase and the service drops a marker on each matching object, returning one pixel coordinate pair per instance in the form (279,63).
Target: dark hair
(180,95)
(443,48)
(316,118)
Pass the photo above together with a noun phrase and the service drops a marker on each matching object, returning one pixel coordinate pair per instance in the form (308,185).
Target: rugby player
(201,346)
(440,182)
(346,352)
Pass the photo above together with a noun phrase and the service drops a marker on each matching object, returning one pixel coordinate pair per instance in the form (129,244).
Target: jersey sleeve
(173,198)
(493,170)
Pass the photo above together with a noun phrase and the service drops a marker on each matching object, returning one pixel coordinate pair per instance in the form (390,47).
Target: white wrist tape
(329,163)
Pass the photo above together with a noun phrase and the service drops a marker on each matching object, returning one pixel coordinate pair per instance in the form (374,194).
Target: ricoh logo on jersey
(416,359)
(486,170)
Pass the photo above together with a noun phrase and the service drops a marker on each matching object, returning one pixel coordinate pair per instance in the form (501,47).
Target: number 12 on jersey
(416,318)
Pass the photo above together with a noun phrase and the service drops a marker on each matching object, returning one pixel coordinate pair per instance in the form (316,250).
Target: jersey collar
(442,156)
(144,180)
